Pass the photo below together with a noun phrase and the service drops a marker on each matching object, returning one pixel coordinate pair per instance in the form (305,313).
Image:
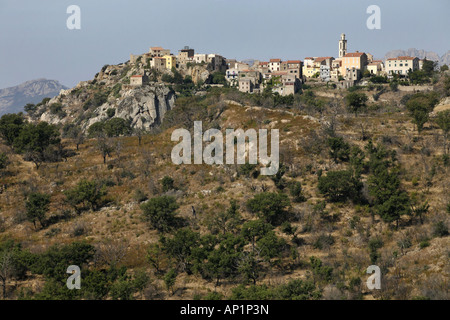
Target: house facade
(401,65)
(357,60)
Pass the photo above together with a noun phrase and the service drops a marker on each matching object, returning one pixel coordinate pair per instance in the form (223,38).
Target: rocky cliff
(107,96)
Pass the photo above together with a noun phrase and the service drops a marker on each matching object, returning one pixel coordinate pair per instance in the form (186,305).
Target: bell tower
(342,46)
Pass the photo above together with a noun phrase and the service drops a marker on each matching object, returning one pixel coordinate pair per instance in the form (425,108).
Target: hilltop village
(281,76)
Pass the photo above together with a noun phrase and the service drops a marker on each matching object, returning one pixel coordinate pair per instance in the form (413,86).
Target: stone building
(158,63)
(138,80)
(185,55)
(159,52)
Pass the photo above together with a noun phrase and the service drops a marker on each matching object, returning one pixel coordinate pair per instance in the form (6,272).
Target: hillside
(353,190)
(13,99)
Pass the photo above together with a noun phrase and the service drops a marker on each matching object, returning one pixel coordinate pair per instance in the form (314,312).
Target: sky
(36,43)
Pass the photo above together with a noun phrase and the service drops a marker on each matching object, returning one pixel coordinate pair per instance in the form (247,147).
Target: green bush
(269,206)
(86,194)
(161,213)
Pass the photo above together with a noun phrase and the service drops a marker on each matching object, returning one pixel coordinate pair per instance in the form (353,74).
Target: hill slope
(13,99)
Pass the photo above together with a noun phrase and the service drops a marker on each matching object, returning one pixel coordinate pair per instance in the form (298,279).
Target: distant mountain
(13,99)
(421,54)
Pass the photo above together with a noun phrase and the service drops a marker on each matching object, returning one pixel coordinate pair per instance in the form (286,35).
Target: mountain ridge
(13,99)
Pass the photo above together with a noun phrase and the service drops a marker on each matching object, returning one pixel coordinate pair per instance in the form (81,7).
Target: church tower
(342,46)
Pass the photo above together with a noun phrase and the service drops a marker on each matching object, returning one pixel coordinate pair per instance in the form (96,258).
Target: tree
(296,191)
(339,149)
(105,146)
(419,106)
(37,206)
(221,260)
(183,247)
(4,160)
(270,246)
(160,212)
(340,185)
(96,129)
(254,230)
(36,137)
(218,78)
(419,207)
(390,200)
(320,271)
(249,266)
(169,280)
(429,67)
(86,193)
(116,127)
(167,183)
(356,101)
(75,133)
(443,121)
(38,142)
(227,221)
(10,127)
(269,206)
(6,269)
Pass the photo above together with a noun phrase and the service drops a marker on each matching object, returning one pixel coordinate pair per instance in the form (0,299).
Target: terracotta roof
(294,61)
(402,58)
(354,55)
(275,60)
(322,58)
(156,48)
(309,58)
(137,76)
(263,63)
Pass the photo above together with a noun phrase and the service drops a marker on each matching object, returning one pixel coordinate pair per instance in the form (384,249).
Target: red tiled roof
(137,76)
(275,60)
(156,48)
(309,58)
(354,55)
(322,58)
(294,61)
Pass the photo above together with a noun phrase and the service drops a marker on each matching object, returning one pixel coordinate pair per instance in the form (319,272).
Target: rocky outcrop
(144,106)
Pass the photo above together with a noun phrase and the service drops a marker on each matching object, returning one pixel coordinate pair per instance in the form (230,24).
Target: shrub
(340,185)
(167,183)
(110,112)
(87,194)
(37,206)
(440,229)
(269,206)
(160,212)
(295,189)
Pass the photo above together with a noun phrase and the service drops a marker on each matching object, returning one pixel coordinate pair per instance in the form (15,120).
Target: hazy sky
(35,42)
